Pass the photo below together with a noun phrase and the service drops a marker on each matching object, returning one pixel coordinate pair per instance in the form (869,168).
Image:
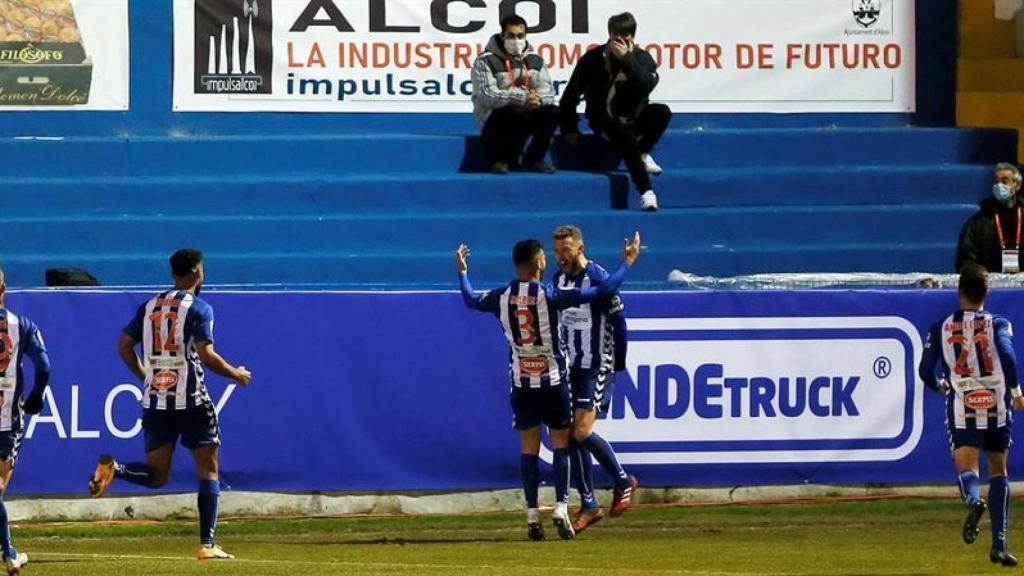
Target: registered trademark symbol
(883,367)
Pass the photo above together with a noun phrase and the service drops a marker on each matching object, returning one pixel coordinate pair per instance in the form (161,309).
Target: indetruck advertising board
(410,391)
(416,55)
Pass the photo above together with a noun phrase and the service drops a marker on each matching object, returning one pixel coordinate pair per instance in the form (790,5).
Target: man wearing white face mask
(991,237)
(616,80)
(513,100)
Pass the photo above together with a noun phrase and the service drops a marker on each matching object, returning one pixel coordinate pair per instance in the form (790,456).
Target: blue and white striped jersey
(168,327)
(528,312)
(974,351)
(18,337)
(589,330)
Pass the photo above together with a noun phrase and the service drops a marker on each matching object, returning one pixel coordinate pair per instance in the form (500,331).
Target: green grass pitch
(912,536)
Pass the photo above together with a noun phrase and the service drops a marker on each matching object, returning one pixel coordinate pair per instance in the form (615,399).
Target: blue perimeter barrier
(409,391)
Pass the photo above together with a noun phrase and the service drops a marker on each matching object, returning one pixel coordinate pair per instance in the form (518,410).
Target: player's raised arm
(570,298)
(474,301)
(462,259)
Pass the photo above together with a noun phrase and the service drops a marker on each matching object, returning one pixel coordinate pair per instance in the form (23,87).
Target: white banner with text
(416,55)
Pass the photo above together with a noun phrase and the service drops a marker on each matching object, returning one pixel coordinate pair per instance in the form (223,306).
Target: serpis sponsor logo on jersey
(980,400)
(767,390)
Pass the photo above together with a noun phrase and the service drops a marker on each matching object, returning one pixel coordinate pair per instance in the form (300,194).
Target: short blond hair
(568,231)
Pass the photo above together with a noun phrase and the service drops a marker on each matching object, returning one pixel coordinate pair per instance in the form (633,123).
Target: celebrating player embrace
(528,311)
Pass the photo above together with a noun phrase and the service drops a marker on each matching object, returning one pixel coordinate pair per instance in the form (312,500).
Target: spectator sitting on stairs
(617,79)
(513,100)
(992,236)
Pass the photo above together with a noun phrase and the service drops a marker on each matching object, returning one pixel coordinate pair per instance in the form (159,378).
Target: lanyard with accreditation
(525,76)
(1011,261)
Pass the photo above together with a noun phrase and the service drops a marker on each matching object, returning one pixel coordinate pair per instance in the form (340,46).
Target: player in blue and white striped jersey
(595,337)
(175,329)
(969,357)
(19,337)
(528,311)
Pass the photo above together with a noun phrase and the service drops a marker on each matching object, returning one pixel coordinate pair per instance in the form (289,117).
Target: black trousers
(636,139)
(508,128)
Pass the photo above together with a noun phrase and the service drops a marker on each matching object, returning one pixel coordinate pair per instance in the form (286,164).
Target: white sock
(532,515)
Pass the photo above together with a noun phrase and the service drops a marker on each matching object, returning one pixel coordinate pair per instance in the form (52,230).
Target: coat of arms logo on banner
(866,12)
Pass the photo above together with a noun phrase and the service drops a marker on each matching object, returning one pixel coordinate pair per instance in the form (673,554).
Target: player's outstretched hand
(1018,403)
(243,375)
(631,249)
(33,403)
(944,386)
(461,259)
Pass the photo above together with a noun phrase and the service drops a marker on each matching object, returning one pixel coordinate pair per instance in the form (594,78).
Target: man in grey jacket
(513,100)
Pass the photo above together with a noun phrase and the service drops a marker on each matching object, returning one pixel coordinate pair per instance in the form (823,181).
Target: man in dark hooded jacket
(616,79)
(513,100)
(991,237)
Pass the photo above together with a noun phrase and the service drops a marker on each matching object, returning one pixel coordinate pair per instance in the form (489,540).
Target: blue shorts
(989,440)
(550,406)
(592,387)
(10,444)
(195,426)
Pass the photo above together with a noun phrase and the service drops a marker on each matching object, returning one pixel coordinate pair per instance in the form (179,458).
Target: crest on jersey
(866,12)
(980,400)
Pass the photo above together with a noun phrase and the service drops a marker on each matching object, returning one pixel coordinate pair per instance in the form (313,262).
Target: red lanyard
(999,229)
(525,77)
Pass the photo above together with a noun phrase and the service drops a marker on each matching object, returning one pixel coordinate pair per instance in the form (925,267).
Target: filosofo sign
(767,390)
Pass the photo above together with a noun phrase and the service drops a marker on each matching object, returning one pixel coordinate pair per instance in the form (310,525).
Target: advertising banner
(416,55)
(64,55)
(410,391)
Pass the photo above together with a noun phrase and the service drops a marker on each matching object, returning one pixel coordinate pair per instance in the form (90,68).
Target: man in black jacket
(992,236)
(616,80)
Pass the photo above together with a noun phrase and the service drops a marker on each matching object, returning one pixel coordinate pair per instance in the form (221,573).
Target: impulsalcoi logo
(234,51)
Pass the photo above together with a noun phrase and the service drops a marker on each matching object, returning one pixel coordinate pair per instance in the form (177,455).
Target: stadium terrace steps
(400,153)
(980,109)
(419,192)
(991,75)
(990,80)
(386,211)
(489,269)
(981,34)
(732,226)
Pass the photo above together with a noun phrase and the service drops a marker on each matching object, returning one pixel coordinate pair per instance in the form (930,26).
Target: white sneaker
(560,518)
(213,553)
(650,165)
(649,201)
(14,565)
